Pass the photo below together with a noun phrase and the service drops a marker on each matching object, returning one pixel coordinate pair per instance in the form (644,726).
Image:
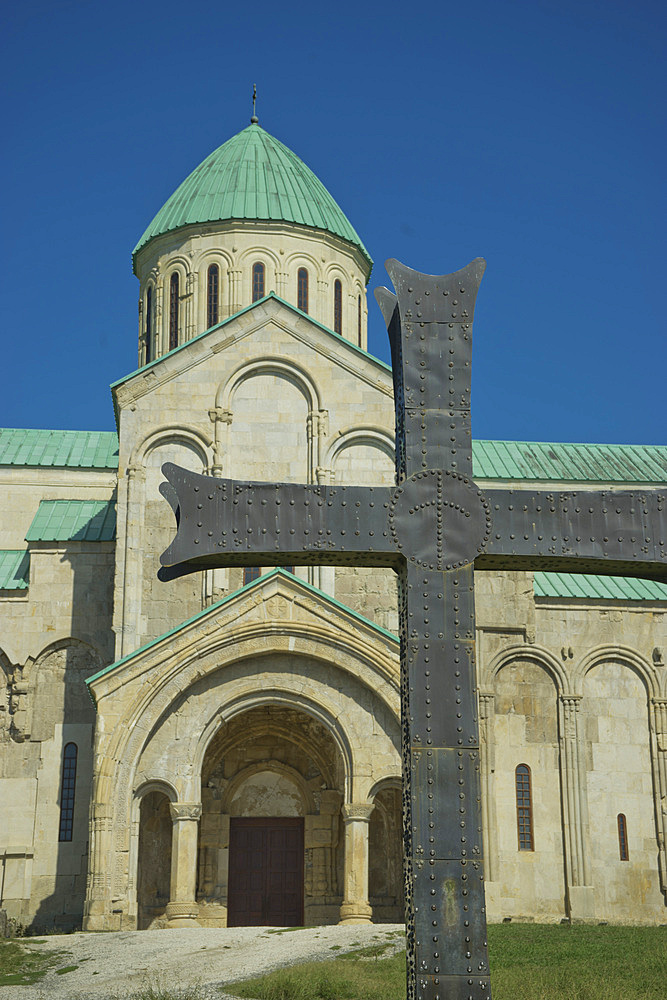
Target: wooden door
(265,872)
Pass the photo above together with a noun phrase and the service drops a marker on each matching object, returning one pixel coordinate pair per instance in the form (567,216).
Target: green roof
(252,176)
(521,460)
(66,449)
(73,521)
(595,463)
(14,569)
(607,588)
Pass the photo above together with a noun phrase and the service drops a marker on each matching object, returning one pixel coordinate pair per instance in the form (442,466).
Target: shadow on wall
(64,722)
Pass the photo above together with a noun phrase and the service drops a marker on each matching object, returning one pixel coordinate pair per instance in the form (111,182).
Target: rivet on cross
(433,527)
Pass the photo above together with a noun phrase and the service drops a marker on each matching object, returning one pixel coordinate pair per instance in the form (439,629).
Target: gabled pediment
(250,324)
(275,612)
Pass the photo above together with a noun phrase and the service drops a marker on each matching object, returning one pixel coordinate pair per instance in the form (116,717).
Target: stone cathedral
(224,749)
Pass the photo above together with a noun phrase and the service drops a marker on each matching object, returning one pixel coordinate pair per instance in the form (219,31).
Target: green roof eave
(230,597)
(252,176)
(241,312)
(14,569)
(73,521)
(58,449)
(593,587)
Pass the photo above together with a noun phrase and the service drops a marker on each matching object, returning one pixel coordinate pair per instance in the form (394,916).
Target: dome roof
(252,176)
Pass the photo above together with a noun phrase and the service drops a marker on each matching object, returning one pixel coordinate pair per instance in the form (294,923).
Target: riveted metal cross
(433,528)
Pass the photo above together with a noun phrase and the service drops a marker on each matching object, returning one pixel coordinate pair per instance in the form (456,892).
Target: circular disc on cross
(439,519)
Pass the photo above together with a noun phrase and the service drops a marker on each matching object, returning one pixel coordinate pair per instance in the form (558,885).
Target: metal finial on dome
(254,120)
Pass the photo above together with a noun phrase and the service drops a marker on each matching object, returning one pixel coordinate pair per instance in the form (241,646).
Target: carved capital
(220,415)
(136,472)
(324,476)
(189,811)
(357,811)
(571,704)
(486,704)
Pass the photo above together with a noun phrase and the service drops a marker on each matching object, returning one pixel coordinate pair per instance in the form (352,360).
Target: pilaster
(658,743)
(580,902)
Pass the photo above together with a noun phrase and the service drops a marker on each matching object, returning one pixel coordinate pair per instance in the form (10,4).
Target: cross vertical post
(440,521)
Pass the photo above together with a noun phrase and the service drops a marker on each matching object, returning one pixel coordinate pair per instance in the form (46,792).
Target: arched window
(149,325)
(524,808)
(622,837)
(338,307)
(257,282)
(359,318)
(212,296)
(287,569)
(302,289)
(251,573)
(67,792)
(173,311)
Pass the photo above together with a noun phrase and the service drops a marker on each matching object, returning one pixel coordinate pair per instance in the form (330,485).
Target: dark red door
(265,872)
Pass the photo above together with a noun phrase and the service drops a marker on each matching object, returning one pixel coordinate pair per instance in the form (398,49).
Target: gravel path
(115,965)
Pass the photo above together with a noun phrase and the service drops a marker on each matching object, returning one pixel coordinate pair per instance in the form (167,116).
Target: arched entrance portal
(270,841)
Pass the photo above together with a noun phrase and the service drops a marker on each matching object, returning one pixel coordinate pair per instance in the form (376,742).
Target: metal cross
(433,527)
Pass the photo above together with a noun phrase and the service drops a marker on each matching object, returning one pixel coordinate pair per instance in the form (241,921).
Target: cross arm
(232,523)
(608,532)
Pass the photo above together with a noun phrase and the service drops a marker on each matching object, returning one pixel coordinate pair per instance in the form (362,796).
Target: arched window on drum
(338,307)
(174,294)
(302,289)
(258,281)
(212,295)
(148,329)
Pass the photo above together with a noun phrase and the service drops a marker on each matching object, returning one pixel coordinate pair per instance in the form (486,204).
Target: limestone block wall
(574,690)
(52,636)
(235,247)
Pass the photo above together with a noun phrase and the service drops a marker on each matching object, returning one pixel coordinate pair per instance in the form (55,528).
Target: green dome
(252,176)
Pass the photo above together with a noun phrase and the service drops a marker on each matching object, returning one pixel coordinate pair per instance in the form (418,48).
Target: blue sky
(529,133)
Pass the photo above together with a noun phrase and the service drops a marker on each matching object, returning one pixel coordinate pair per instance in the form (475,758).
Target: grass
(19,966)
(529,962)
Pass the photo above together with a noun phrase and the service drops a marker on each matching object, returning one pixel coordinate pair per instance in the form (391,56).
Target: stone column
(234,296)
(281,284)
(97,910)
(182,908)
(355,908)
(190,319)
(579,889)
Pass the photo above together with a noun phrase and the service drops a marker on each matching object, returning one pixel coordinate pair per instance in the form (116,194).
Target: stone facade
(214,700)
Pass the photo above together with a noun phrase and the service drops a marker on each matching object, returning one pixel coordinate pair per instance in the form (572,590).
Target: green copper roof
(73,521)
(595,463)
(607,588)
(14,569)
(252,176)
(524,460)
(70,449)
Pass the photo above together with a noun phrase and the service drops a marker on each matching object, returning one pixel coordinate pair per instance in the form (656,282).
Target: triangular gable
(232,608)
(214,340)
